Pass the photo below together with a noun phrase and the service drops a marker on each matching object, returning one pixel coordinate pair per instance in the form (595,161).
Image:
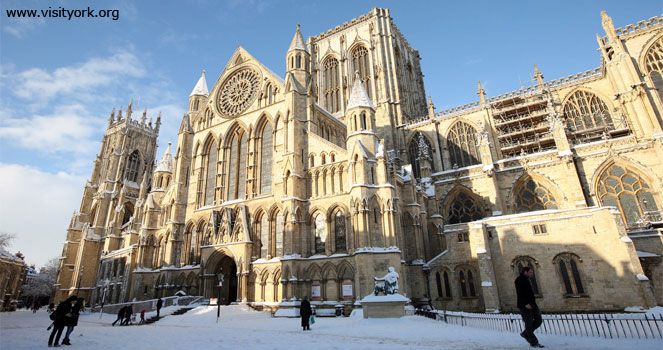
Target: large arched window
(237,165)
(360,63)
(332,85)
(530,195)
(320,234)
(654,65)
(523,261)
(570,274)
(466,280)
(266,145)
(339,231)
(619,186)
(419,149)
(587,116)
(462,145)
(264,236)
(133,164)
(442,283)
(279,223)
(464,208)
(210,177)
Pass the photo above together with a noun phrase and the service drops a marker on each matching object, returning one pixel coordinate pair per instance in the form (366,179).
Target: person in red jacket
(527,304)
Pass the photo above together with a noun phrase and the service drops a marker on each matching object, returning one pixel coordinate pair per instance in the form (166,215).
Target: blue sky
(59,78)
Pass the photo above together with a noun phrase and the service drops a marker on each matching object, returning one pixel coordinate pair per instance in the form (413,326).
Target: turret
(198,94)
(298,61)
(163,174)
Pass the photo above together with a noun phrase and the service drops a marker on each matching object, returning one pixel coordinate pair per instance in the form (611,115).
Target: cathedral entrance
(226,273)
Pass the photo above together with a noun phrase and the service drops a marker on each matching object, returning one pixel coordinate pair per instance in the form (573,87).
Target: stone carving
(238,92)
(389,283)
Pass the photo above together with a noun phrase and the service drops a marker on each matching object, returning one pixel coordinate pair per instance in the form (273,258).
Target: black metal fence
(586,325)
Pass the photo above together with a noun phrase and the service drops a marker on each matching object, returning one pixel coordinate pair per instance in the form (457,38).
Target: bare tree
(43,284)
(5,239)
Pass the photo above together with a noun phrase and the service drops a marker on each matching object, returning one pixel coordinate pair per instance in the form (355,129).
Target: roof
(358,96)
(297,41)
(201,87)
(166,162)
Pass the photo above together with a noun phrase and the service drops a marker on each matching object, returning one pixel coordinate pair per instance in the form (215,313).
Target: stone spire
(431,107)
(297,41)
(538,75)
(144,117)
(201,87)
(358,96)
(111,119)
(481,92)
(166,162)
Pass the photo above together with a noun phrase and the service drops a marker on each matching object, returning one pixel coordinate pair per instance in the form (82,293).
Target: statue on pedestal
(389,283)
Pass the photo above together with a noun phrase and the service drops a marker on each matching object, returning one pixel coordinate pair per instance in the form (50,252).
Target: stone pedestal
(384,306)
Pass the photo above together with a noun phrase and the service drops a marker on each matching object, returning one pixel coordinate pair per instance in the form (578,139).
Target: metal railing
(586,325)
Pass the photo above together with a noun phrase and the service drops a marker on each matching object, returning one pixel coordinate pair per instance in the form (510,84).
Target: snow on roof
(358,96)
(297,41)
(201,87)
(166,162)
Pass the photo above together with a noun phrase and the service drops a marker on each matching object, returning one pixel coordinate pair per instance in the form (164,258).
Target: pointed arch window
(266,146)
(466,280)
(531,196)
(621,187)
(211,169)
(442,283)
(320,234)
(654,65)
(464,208)
(237,165)
(360,63)
(332,85)
(524,261)
(278,231)
(570,274)
(462,145)
(133,164)
(339,231)
(587,116)
(264,236)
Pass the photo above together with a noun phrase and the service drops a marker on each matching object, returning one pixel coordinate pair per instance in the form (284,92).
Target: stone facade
(13,272)
(313,183)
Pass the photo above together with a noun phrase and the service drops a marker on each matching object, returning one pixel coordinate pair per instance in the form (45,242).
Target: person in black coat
(305,312)
(527,305)
(72,321)
(120,316)
(59,319)
(159,305)
(127,315)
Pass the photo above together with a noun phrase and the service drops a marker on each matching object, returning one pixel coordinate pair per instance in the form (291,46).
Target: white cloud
(68,128)
(37,207)
(40,84)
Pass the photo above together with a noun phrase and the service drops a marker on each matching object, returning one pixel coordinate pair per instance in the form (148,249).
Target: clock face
(238,92)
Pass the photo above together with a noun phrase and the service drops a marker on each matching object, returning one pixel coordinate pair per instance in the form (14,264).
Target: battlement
(346,25)
(639,27)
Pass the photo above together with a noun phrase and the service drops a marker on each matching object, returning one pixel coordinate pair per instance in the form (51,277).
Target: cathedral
(312,183)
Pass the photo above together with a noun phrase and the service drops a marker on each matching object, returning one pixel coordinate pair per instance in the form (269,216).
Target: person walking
(159,305)
(58,316)
(526,302)
(127,315)
(142,317)
(72,321)
(120,316)
(305,312)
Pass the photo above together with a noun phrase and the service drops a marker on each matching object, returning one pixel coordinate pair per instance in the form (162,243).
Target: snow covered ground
(242,328)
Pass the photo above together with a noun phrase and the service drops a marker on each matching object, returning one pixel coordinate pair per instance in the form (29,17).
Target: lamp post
(218,300)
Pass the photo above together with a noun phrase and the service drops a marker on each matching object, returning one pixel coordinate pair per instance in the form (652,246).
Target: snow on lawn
(242,328)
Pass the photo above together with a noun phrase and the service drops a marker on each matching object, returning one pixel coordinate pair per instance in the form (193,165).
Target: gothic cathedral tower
(104,222)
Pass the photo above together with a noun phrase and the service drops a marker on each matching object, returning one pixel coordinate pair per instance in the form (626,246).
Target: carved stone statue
(389,283)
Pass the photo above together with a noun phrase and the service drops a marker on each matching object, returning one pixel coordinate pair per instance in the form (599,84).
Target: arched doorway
(226,271)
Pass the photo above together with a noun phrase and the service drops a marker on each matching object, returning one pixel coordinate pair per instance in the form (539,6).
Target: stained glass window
(621,187)
(654,65)
(320,234)
(332,85)
(587,116)
(339,228)
(464,208)
(531,196)
(462,145)
(568,269)
(210,178)
(266,159)
(360,63)
(132,167)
